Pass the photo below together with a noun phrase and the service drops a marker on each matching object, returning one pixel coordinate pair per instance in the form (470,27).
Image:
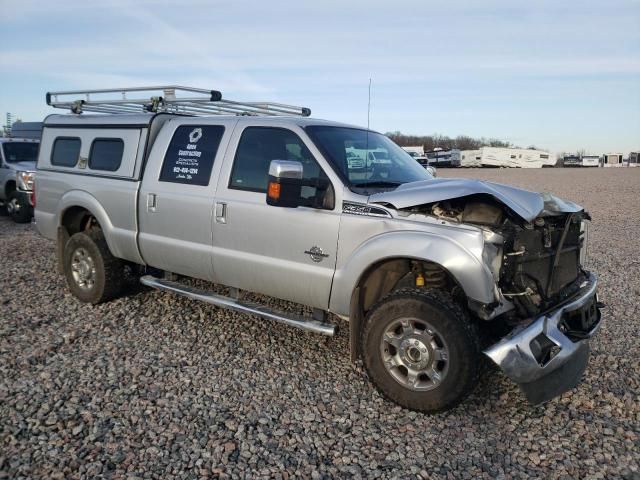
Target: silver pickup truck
(431,274)
(17,170)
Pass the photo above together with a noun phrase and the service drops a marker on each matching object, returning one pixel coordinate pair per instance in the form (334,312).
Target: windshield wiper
(377,183)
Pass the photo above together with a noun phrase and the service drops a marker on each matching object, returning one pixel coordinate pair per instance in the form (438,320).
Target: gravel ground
(156,386)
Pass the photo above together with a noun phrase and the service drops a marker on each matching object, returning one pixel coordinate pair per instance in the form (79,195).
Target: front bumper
(27,195)
(548,357)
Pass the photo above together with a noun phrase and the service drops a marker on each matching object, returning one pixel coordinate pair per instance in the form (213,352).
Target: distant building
(26,130)
(634,159)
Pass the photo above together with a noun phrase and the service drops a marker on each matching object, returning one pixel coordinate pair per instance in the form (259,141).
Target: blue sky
(562,75)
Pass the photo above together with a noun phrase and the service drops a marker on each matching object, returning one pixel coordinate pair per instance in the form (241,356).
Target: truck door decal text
(189,158)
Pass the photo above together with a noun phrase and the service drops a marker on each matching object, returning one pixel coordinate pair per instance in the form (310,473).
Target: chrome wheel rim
(83,269)
(13,206)
(414,354)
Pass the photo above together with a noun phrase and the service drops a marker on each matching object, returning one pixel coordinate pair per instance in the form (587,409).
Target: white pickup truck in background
(17,172)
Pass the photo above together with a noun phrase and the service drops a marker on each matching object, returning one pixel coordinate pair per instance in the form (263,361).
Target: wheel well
(392,274)
(77,219)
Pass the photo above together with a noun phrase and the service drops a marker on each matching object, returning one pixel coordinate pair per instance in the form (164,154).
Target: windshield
(20,152)
(382,165)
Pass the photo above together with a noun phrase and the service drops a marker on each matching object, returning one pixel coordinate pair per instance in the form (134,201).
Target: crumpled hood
(30,166)
(524,203)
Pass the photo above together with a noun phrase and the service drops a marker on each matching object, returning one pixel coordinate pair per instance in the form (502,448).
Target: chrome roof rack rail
(168,99)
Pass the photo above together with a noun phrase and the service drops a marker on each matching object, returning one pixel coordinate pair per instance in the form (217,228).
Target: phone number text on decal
(193,171)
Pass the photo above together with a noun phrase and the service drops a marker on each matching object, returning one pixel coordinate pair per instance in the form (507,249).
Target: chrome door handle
(221,212)
(151,202)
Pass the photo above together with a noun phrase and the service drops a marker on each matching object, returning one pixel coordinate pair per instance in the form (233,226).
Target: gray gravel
(155,386)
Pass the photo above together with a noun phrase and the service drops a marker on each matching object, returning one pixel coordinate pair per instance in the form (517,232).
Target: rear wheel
(18,208)
(421,350)
(93,274)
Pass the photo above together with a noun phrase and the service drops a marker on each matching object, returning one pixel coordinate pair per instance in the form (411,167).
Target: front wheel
(93,274)
(18,208)
(421,350)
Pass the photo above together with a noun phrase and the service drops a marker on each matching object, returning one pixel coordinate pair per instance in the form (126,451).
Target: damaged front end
(555,304)
(546,306)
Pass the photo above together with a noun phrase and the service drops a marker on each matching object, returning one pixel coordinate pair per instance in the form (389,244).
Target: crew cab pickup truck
(430,274)
(17,170)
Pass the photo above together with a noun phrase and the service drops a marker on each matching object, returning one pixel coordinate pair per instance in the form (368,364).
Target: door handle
(151,202)
(221,212)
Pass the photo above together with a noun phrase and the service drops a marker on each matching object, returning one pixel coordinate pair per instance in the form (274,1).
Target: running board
(298,321)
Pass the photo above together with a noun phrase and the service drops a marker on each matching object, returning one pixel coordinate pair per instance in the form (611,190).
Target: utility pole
(7,126)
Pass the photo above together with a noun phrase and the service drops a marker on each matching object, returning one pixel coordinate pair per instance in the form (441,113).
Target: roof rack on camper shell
(168,99)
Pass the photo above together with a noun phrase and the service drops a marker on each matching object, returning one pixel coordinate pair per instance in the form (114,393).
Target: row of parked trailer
(484,157)
(515,158)
(606,160)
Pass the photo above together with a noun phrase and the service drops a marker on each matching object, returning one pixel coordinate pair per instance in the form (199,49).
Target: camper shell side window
(65,151)
(106,154)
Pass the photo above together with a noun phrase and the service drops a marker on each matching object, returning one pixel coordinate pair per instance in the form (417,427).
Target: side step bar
(298,321)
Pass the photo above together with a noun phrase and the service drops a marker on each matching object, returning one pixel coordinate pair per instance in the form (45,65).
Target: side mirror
(431,170)
(285,184)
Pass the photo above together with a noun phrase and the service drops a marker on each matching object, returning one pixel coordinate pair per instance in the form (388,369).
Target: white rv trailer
(416,151)
(581,161)
(471,158)
(590,160)
(612,160)
(571,161)
(507,157)
(444,158)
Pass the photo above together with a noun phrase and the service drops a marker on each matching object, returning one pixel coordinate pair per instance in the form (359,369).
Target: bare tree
(437,140)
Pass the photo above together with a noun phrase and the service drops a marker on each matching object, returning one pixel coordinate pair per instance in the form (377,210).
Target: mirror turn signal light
(274,191)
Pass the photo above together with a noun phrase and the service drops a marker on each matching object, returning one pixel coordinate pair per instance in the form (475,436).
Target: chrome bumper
(542,379)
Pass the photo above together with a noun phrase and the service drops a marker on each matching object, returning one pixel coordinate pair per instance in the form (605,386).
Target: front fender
(470,272)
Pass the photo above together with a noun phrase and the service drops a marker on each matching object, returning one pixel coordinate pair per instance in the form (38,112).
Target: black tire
(107,273)
(19,208)
(454,330)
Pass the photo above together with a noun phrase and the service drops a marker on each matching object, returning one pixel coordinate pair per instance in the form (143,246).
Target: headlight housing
(492,252)
(25,180)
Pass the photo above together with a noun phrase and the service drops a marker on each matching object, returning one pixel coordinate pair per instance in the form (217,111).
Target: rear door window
(65,151)
(189,158)
(106,154)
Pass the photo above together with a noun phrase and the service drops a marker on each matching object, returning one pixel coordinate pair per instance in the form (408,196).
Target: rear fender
(80,198)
